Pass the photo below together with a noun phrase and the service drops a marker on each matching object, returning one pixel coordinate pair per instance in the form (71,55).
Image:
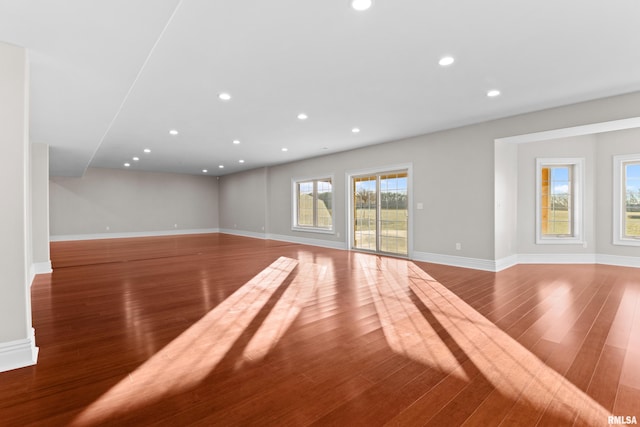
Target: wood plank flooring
(223,330)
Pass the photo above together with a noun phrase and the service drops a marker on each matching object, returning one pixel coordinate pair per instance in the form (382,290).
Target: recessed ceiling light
(302,116)
(147,150)
(204,171)
(447,60)
(173,132)
(221,166)
(235,141)
(493,93)
(361,5)
(241,161)
(325,148)
(355,130)
(126,165)
(224,96)
(285,149)
(135,159)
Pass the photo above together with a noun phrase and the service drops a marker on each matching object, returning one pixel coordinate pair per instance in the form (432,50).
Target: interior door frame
(349,175)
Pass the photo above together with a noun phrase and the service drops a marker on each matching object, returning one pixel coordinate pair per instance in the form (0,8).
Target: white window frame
(618,212)
(294,204)
(577,182)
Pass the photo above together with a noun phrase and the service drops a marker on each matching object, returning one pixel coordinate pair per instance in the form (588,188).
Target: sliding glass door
(380,212)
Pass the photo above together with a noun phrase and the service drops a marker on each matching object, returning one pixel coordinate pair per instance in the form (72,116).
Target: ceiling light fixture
(285,149)
(446,61)
(204,171)
(355,130)
(235,141)
(302,116)
(224,96)
(493,93)
(126,165)
(240,161)
(147,150)
(361,5)
(135,159)
(173,132)
(221,166)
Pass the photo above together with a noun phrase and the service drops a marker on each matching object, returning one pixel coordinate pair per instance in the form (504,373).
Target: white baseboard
(556,258)
(620,261)
(67,237)
(243,233)
(506,262)
(18,354)
(307,241)
(456,261)
(42,267)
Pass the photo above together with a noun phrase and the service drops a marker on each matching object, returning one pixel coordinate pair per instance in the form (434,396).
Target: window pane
(305,204)
(632,200)
(556,201)
(323,206)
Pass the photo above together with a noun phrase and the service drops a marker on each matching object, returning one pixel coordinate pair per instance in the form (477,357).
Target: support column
(17,342)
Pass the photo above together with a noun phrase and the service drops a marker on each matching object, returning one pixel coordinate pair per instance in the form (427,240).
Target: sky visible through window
(633,179)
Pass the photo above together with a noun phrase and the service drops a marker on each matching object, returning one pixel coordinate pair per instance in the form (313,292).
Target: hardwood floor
(224,330)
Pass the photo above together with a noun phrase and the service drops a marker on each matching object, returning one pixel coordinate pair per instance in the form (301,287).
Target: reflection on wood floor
(224,330)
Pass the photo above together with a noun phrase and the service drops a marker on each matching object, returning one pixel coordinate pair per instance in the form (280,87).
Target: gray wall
(243,201)
(454,175)
(131,202)
(15,224)
(582,147)
(609,145)
(506,200)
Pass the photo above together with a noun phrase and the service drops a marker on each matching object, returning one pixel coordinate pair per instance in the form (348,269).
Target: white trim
(307,241)
(42,267)
(618,212)
(19,353)
(577,180)
(506,262)
(621,261)
(294,205)
(456,261)
(64,238)
(39,268)
(589,129)
(557,258)
(243,233)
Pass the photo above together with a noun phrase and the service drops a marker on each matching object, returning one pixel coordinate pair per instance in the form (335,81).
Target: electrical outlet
(458,246)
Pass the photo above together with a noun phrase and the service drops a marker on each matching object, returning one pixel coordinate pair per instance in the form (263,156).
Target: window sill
(627,242)
(559,241)
(313,230)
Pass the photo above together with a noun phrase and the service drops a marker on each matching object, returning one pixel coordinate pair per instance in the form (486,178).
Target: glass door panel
(365,213)
(380,213)
(393,214)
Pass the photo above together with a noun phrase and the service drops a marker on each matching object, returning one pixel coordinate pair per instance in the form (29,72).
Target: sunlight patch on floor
(301,290)
(512,369)
(192,356)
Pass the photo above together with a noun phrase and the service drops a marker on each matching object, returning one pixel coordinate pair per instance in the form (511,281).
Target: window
(313,205)
(559,201)
(626,200)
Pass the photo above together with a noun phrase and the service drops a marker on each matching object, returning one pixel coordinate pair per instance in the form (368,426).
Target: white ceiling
(112,77)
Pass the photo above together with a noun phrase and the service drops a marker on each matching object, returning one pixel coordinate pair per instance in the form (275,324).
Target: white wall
(17,343)
(40,208)
(112,202)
